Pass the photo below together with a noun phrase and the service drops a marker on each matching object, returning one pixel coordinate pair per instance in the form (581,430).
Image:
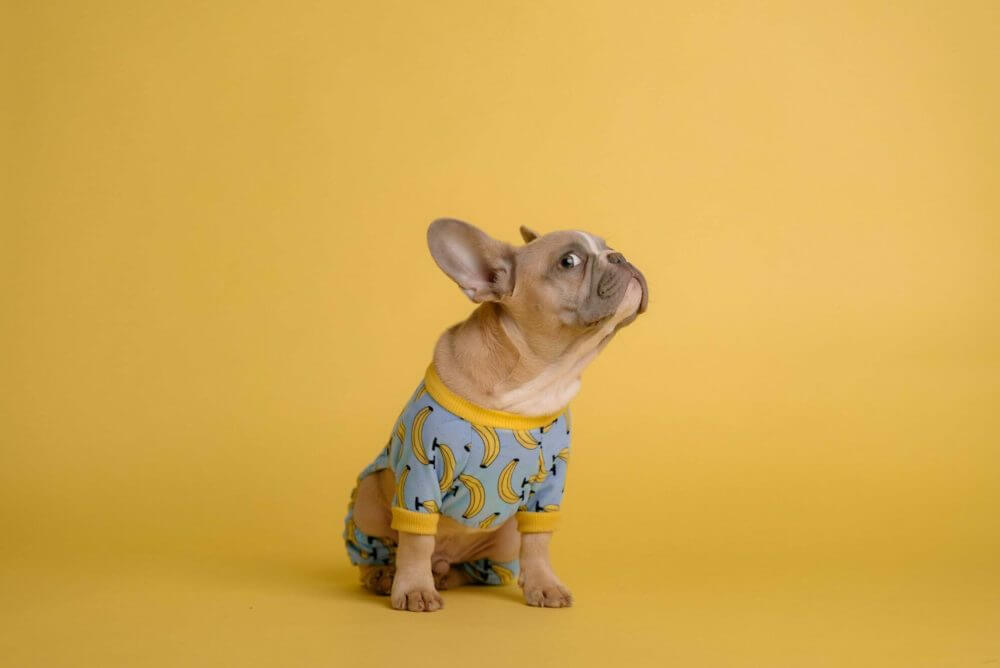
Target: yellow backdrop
(215,296)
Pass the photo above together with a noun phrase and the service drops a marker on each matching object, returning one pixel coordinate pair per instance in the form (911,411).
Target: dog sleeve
(541,512)
(416,503)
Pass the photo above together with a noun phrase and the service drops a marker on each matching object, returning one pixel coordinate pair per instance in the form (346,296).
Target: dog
(468,488)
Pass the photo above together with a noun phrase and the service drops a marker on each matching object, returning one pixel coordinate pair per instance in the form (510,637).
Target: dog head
(564,284)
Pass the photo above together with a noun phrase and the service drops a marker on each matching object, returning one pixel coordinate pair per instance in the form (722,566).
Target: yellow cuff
(529,522)
(412,521)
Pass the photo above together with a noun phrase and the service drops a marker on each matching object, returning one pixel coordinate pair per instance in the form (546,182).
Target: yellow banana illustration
(351,537)
(400,430)
(505,574)
(551,508)
(504,487)
(401,487)
(431,505)
(417,435)
(567,422)
(563,455)
(542,473)
(549,425)
(525,438)
(448,475)
(477,495)
(488,522)
(422,391)
(491,444)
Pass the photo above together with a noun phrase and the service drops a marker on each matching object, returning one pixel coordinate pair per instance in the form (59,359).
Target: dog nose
(616,258)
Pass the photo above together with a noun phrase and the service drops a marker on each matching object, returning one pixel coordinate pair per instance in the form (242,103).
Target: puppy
(469,486)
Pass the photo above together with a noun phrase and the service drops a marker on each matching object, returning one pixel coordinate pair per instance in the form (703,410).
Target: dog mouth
(644,300)
(612,282)
(628,319)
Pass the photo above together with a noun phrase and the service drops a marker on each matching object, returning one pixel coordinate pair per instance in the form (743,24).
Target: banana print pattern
(417,435)
(525,438)
(542,472)
(478,475)
(364,549)
(506,575)
(477,495)
(488,522)
(505,488)
(489,572)
(491,444)
(448,474)
(430,505)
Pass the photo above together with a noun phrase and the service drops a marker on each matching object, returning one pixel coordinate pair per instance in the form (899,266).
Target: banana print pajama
(477,466)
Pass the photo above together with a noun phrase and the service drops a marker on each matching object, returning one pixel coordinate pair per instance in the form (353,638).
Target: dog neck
(492,361)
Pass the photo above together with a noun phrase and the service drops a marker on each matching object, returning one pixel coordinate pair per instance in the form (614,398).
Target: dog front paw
(415,595)
(546,593)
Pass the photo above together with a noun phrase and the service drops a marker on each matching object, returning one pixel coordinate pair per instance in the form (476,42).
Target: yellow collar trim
(476,414)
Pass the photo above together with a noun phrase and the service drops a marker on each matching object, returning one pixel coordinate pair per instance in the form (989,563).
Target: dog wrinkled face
(579,279)
(563,280)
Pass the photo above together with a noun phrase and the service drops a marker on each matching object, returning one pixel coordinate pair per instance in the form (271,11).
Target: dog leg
(413,586)
(540,585)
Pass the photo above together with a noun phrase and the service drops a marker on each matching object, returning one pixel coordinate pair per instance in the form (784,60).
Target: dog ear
(481,265)
(528,234)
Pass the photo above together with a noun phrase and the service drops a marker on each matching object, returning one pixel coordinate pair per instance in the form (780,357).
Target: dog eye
(569,260)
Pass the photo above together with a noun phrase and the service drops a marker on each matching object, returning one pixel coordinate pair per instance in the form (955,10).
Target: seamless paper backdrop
(215,297)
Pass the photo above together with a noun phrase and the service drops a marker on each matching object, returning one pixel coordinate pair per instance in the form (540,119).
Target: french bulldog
(467,489)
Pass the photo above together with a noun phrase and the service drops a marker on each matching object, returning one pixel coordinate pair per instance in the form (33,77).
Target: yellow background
(216,296)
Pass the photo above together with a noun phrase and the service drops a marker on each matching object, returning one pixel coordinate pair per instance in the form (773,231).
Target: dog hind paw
(378,579)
